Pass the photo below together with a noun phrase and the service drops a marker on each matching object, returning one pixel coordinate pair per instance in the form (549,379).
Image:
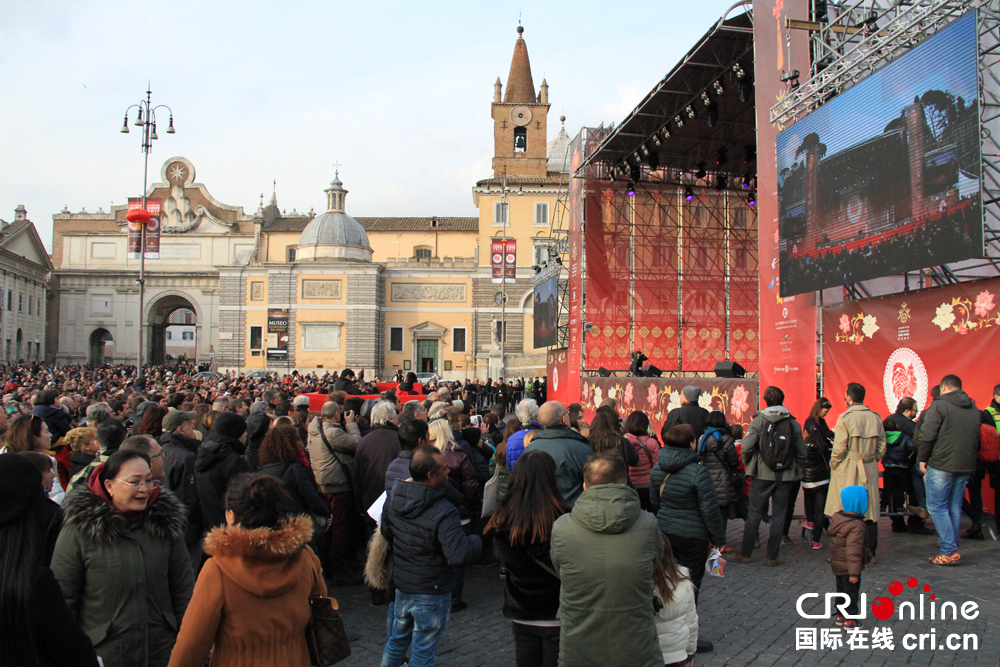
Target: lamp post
(146,119)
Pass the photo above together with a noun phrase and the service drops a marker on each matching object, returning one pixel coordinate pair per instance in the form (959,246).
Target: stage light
(752,198)
(749,154)
(644,151)
(688,193)
(679,121)
(705,99)
(722,157)
(701,171)
(631,189)
(689,110)
(720,182)
(746,182)
(712,114)
(738,70)
(665,132)
(603,372)
(717,86)
(656,140)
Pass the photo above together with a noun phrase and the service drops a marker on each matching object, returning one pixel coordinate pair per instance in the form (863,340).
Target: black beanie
(20,487)
(229,425)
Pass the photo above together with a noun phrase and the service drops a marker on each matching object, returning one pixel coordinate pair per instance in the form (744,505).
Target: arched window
(520,140)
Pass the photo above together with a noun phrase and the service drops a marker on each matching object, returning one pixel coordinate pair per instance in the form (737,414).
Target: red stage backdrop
(903,345)
(738,398)
(787,326)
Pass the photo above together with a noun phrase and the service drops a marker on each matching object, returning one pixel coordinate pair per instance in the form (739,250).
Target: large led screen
(885,178)
(546,313)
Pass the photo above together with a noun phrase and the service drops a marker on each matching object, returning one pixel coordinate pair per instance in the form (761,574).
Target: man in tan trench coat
(858,444)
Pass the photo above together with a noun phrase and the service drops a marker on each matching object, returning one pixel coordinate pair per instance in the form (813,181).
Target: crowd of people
(164,520)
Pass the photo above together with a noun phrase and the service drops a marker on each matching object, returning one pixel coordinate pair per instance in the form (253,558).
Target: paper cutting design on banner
(856,329)
(963,315)
(904,375)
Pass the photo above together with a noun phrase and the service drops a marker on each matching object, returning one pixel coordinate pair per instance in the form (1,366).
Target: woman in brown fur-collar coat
(251,601)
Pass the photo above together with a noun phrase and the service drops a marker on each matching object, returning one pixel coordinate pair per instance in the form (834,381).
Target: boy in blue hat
(849,547)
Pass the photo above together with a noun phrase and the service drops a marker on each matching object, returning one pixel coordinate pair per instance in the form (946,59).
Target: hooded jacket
(55,418)
(717,452)
(948,437)
(848,543)
(570,451)
(179,456)
(217,463)
(126,584)
(688,506)
(252,598)
(427,539)
(333,473)
(257,425)
(677,622)
(756,468)
(605,552)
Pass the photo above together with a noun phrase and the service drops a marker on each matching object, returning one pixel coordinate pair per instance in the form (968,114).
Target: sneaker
(771,562)
(973,535)
(840,621)
(941,559)
(817,546)
(786,541)
(954,557)
(851,624)
(738,558)
(919,511)
(460,605)
(807,524)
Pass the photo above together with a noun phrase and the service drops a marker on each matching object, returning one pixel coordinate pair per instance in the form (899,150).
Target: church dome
(558,150)
(334,234)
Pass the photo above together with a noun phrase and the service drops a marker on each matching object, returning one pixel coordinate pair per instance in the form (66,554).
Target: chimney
(20,213)
(496,91)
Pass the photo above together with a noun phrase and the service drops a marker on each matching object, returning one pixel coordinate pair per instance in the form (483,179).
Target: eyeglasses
(140,483)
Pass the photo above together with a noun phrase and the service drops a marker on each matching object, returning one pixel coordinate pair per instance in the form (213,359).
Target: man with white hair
(526,412)
(374,454)
(413,410)
(98,413)
(221,404)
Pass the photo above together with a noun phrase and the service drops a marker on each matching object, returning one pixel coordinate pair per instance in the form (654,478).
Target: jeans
(844,585)
(420,619)
(535,645)
(945,492)
(815,500)
(760,491)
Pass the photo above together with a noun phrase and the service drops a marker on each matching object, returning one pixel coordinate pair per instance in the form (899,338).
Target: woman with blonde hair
(83,443)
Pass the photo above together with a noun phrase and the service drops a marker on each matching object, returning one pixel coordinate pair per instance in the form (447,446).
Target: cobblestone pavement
(750,615)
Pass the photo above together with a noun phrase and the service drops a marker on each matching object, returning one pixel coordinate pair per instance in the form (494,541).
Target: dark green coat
(605,552)
(127,586)
(687,506)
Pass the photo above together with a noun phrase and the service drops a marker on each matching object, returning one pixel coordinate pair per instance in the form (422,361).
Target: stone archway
(180,315)
(100,339)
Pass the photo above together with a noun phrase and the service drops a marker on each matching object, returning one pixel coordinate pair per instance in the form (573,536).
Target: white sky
(398,93)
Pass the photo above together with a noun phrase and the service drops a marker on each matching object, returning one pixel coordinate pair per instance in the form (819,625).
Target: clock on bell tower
(519,119)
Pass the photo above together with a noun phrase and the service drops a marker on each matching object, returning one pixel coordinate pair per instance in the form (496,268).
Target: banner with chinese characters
(152,229)
(510,261)
(496,260)
(277,334)
(903,345)
(736,397)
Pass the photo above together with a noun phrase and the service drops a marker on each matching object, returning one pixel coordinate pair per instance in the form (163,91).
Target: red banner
(787,326)
(574,360)
(510,261)
(496,260)
(903,345)
(559,382)
(152,229)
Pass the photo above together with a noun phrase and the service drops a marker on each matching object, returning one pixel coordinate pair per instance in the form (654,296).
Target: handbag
(491,493)
(325,634)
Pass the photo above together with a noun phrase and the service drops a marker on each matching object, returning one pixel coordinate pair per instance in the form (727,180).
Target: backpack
(989,444)
(776,447)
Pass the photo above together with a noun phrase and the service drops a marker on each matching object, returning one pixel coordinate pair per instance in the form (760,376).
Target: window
(499,214)
(290,254)
(406,364)
(447,364)
(321,337)
(20,303)
(541,255)
(423,253)
(10,300)
(541,214)
(395,339)
(458,338)
(496,331)
(520,140)
(170,335)
(31,304)
(187,335)
(256,338)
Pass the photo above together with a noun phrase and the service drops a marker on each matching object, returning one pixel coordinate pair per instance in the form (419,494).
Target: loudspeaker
(603,372)
(651,371)
(729,369)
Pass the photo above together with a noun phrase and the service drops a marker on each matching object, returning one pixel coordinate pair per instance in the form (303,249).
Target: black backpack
(777,445)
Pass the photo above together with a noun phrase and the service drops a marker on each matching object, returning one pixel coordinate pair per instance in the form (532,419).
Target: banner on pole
(510,261)
(153,205)
(496,260)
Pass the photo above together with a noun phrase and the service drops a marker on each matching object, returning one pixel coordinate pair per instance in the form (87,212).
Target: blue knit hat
(854,499)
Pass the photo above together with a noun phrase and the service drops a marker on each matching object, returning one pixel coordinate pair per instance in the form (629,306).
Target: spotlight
(644,151)
(665,132)
(746,182)
(631,189)
(701,171)
(720,183)
(721,158)
(679,121)
(705,99)
(752,198)
(717,86)
(689,110)
(656,140)
(688,193)
(738,70)
(712,114)
(749,154)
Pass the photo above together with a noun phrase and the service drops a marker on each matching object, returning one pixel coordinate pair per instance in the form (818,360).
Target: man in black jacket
(180,449)
(347,383)
(901,472)
(569,449)
(947,443)
(425,533)
(54,416)
(374,454)
(219,459)
(690,413)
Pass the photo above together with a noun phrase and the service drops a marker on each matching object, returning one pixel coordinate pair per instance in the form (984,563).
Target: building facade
(24,300)
(283,291)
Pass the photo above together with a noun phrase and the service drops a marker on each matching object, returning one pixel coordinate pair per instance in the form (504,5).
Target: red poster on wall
(496,260)
(788,343)
(510,261)
(903,345)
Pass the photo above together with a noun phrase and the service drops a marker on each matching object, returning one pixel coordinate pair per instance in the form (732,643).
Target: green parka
(127,585)
(605,552)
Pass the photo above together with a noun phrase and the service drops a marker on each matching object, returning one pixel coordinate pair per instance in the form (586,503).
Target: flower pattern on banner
(653,397)
(964,316)
(856,329)
(628,394)
(739,403)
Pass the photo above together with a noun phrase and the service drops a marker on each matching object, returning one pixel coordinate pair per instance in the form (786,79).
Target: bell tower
(519,120)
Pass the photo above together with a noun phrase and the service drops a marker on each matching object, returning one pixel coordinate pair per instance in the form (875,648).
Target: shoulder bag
(325,633)
(347,471)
